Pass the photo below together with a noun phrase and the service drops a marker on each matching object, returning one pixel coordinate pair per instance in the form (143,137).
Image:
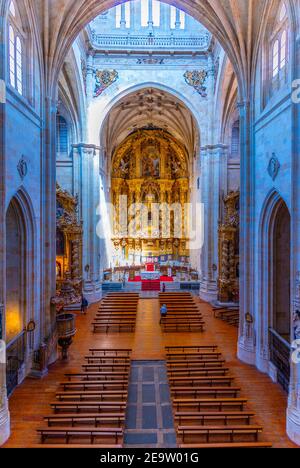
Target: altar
(150,275)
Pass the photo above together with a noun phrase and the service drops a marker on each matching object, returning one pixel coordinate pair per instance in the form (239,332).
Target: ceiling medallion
(196,79)
(104,79)
(274,167)
(22,168)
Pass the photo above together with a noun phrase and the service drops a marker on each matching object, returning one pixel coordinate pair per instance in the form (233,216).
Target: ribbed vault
(150,107)
(235,23)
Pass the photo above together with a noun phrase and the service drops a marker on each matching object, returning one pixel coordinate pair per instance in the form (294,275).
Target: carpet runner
(149,420)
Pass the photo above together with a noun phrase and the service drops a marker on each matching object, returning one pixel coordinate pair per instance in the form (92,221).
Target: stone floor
(149,421)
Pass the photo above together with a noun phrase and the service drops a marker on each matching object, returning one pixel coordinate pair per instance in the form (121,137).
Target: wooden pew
(208,431)
(205,403)
(235,445)
(99,367)
(212,392)
(194,363)
(96,385)
(110,376)
(211,381)
(66,433)
(184,349)
(78,446)
(95,407)
(88,418)
(89,395)
(107,359)
(124,326)
(197,418)
(200,355)
(189,372)
(111,352)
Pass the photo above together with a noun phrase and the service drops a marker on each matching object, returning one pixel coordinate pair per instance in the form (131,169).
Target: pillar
(247,338)
(293,410)
(213,159)
(88,187)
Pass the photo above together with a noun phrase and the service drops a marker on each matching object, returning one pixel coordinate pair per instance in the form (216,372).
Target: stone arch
(21,265)
(224,23)
(272,210)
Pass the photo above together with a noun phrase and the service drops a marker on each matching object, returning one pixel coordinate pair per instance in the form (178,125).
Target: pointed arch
(272,209)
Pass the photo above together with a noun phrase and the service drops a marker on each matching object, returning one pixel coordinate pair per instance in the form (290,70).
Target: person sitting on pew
(163,312)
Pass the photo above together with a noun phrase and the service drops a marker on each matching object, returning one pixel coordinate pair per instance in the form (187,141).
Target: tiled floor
(149,421)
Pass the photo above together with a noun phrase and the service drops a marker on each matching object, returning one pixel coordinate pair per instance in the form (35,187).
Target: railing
(200,42)
(280,351)
(15,357)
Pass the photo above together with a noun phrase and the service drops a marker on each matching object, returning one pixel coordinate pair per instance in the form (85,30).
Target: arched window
(279,42)
(62,136)
(150,13)
(235,139)
(177,18)
(16,50)
(275,58)
(123,15)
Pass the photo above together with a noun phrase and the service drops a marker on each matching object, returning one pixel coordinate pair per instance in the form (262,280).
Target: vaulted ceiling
(235,23)
(150,107)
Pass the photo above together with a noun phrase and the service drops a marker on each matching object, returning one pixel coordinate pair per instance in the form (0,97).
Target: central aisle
(148,340)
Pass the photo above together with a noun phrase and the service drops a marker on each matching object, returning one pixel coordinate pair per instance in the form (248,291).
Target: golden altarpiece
(150,168)
(68,248)
(229,250)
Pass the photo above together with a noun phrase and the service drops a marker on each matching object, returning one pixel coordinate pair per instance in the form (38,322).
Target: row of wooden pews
(230,315)
(183,313)
(208,411)
(90,405)
(117,312)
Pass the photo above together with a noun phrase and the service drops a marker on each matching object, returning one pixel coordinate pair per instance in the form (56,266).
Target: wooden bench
(77,446)
(107,359)
(201,381)
(105,367)
(235,445)
(201,355)
(111,352)
(219,403)
(97,384)
(189,348)
(67,433)
(195,363)
(212,392)
(98,375)
(96,407)
(208,431)
(124,326)
(198,371)
(87,395)
(194,417)
(181,326)
(88,418)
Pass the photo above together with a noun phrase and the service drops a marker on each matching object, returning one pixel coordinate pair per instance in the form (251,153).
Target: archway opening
(15,294)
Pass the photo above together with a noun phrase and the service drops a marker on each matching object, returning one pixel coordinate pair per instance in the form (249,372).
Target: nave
(151,346)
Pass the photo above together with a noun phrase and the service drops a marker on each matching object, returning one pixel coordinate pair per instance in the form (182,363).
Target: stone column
(293,411)
(123,19)
(4,411)
(90,77)
(88,202)
(213,159)
(247,338)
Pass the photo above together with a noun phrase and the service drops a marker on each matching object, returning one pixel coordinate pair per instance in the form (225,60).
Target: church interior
(150,224)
